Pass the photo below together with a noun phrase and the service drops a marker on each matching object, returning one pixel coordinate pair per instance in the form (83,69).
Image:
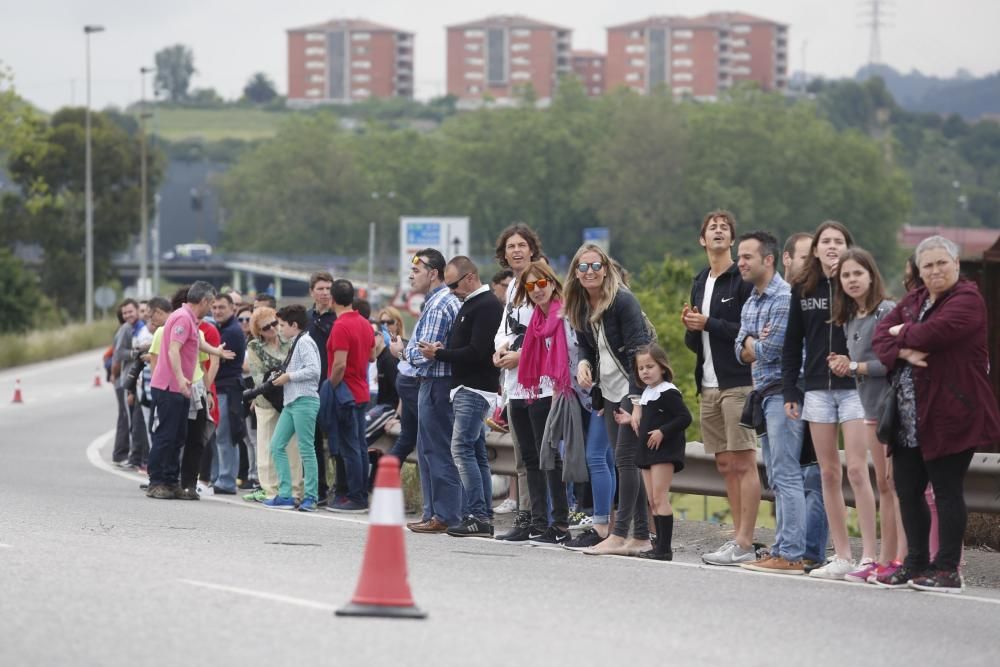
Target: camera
(137,352)
(255,391)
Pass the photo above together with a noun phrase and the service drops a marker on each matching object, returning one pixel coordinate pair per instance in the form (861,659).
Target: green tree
(260,89)
(19,295)
(174,69)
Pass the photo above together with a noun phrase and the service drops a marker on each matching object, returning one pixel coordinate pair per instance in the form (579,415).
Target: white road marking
(6,546)
(262,595)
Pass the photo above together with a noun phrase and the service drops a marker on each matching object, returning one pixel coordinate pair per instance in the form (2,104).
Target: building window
(473,89)
(520,32)
(314,64)
(337,55)
(683,76)
(360,36)
(635,48)
(595,77)
(741,28)
(683,34)
(315,37)
(633,76)
(361,92)
(596,63)
(520,76)
(520,46)
(475,76)
(315,51)
(361,78)
(636,62)
(741,70)
(361,64)
(473,61)
(316,78)
(360,50)
(313,92)
(737,43)
(496,57)
(474,34)
(595,90)
(657,55)
(473,46)
(519,60)
(742,55)
(683,90)
(681,48)
(635,34)
(683,62)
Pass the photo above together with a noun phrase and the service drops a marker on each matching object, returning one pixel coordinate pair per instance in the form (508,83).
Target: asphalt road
(94,573)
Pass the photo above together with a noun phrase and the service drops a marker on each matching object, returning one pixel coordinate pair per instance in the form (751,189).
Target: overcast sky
(42,40)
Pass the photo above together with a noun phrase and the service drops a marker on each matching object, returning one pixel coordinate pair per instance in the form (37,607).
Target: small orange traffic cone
(97,379)
(383,589)
(17,392)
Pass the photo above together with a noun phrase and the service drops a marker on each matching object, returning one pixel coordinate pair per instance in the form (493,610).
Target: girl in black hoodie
(828,400)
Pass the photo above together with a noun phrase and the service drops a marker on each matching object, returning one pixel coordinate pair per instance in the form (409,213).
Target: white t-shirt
(708,377)
(522,314)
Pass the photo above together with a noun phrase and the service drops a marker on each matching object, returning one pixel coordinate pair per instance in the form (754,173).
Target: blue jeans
(168,434)
(434,451)
(784,447)
(601,465)
(817,529)
(227,455)
(408,389)
(354,454)
(468,449)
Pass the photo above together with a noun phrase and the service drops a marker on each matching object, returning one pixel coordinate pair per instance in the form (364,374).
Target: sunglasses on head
(454,285)
(541,283)
(268,327)
(417,259)
(583,266)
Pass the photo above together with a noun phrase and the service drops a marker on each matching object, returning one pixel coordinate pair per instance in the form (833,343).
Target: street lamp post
(143,290)
(371,245)
(89,190)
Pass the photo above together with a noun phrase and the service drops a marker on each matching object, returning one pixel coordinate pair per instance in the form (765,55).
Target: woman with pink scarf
(543,371)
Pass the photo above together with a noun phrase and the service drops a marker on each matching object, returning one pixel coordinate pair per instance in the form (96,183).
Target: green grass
(176,124)
(36,346)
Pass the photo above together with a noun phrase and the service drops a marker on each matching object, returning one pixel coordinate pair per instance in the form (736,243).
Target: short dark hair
(525,232)
(294,314)
(266,299)
(201,290)
(501,275)
(319,276)
(768,244)
(128,302)
(179,298)
(224,296)
(793,241)
(343,292)
(463,264)
(726,216)
(434,260)
(363,308)
(159,303)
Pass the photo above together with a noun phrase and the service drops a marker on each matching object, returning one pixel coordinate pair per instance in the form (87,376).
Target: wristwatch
(853,366)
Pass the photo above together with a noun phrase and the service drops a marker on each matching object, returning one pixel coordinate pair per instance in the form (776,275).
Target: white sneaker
(724,555)
(506,507)
(836,568)
(204,490)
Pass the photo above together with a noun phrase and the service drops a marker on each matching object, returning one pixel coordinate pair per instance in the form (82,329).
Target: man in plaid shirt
(439,479)
(759,342)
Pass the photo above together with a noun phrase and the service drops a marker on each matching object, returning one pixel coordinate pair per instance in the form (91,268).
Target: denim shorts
(832,406)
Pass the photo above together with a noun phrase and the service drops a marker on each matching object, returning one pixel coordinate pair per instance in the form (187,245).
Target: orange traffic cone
(17,392)
(97,378)
(383,589)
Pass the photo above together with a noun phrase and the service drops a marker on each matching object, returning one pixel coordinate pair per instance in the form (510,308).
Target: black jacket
(625,328)
(320,327)
(470,344)
(810,323)
(728,297)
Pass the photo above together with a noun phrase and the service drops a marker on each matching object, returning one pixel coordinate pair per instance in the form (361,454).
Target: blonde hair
(395,316)
(260,317)
(577,302)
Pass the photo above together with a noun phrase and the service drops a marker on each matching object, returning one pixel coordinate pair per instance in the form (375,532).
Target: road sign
(599,236)
(104,297)
(450,236)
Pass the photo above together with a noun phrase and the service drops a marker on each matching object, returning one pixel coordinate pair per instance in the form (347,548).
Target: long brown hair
(844,307)
(577,302)
(659,355)
(809,277)
(539,269)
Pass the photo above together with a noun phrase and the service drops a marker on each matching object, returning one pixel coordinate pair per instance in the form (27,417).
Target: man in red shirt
(350,348)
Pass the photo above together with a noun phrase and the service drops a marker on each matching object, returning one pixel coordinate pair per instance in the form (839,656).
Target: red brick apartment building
(497,55)
(348,60)
(589,68)
(699,56)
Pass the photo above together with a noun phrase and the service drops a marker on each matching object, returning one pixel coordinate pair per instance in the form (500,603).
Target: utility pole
(143,290)
(875,14)
(89,191)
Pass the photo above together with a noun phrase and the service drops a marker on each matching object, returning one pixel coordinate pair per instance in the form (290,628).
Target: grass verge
(36,346)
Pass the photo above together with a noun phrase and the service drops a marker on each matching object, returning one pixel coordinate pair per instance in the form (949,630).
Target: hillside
(963,94)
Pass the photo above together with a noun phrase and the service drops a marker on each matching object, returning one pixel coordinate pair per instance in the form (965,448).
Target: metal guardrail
(982,483)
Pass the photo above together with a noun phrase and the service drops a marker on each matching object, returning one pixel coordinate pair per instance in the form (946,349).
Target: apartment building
(499,55)
(348,60)
(697,57)
(589,69)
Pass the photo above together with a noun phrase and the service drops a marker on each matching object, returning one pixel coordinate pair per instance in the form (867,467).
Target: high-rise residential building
(697,57)
(589,69)
(499,55)
(348,60)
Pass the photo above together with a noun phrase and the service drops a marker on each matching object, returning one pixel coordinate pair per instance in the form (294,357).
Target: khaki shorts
(720,420)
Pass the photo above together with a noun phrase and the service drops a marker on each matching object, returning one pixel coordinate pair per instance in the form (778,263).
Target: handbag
(888,415)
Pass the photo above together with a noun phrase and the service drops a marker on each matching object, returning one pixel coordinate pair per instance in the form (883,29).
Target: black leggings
(528,421)
(947,476)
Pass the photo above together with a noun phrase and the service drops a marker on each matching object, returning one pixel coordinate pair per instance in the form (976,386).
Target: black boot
(664,535)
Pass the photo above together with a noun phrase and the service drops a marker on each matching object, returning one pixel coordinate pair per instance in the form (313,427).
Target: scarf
(537,361)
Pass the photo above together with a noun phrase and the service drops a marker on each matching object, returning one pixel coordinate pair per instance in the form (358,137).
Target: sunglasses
(243,319)
(582,267)
(454,285)
(418,260)
(387,323)
(541,283)
(268,327)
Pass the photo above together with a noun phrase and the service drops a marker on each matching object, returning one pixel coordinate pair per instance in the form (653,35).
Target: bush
(35,346)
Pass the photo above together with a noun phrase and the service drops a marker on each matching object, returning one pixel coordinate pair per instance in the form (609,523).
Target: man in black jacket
(712,320)
(475,385)
(321,319)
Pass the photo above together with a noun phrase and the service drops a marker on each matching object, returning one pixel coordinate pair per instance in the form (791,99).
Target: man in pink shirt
(171,388)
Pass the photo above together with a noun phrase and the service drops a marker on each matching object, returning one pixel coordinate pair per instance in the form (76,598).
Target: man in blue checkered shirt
(759,342)
(439,479)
